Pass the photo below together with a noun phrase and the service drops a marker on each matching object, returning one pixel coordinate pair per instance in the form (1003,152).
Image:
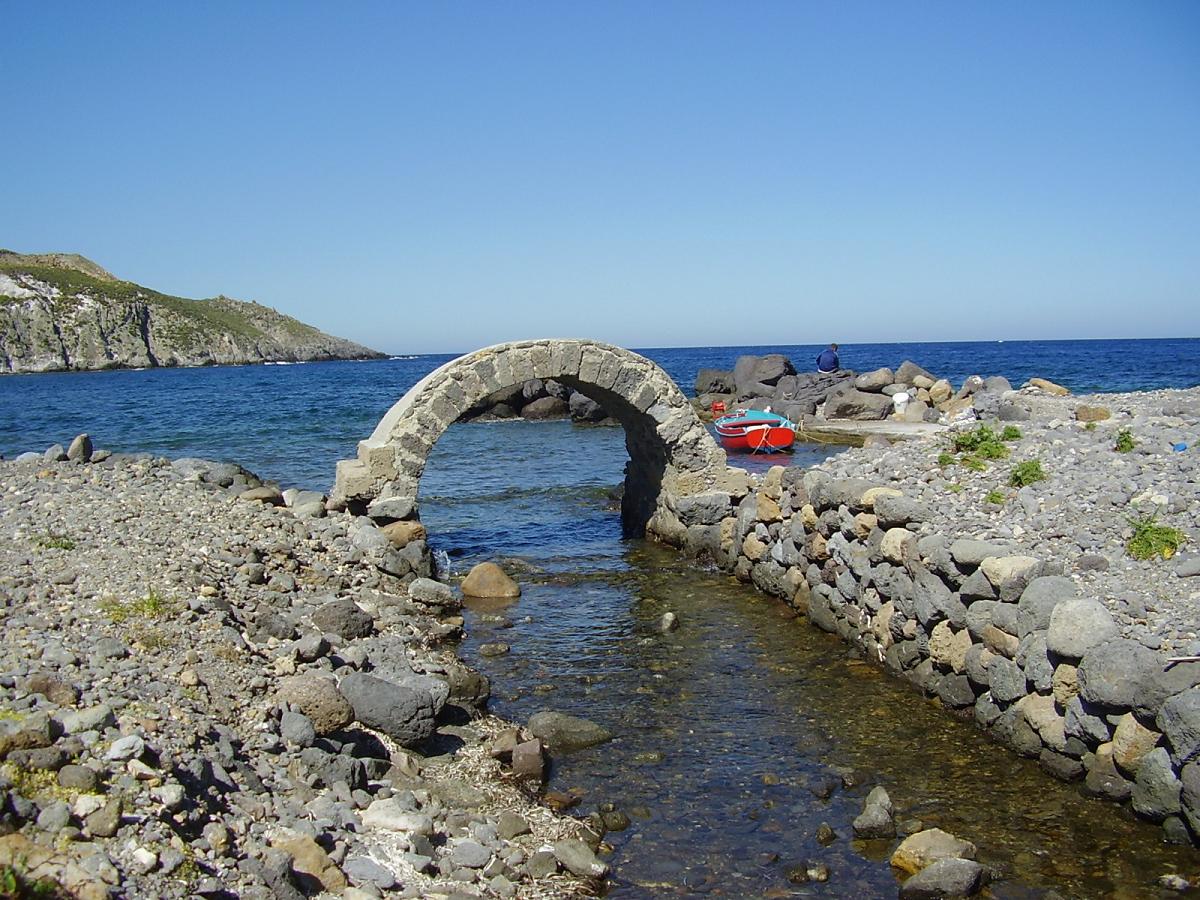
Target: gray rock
(951,877)
(1117,673)
(971,553)
(1038,601)
(54,817)
(297,728)
(1006,680)
(105,821)
(1179,721)
(909,371)
(405,713)
(364,870)
(847,403)
(129,747)
(1082,722)
(751,371)
(577,857)
(80,449)
(559,731)
(875,380)
(344,618)
(469,854)
(1077,624)
(433,593)
(1189,778)
(1156,792)
(1104,780)
(707,508)
(894,511)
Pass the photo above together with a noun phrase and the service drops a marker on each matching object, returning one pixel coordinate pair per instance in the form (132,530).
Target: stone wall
(995,635)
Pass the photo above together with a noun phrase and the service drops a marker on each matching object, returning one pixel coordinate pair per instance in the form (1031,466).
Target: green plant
(1027,473)
(152,606)
(1149,539)
(954,488)
(982,443)
(14,885)
(945,459)
(1090,426)
(1011,433)
(996,497)
(53,541)
(1125,442)
(974,463)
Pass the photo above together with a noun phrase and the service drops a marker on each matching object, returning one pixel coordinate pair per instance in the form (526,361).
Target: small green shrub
(996,497)
(53,541)
(1090,426)
(974,463)
(1125,442)
(1011,433)
(945,459)
(152,606)
(954,488)
(1149,539)
(1027,473)
(983,443)
(15,885)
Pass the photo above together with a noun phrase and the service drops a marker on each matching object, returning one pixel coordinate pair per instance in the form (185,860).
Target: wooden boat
(756,431)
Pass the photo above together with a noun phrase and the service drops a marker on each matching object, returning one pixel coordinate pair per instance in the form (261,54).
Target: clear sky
(435,177)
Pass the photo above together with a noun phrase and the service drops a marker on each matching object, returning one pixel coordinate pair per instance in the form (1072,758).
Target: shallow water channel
(745,730)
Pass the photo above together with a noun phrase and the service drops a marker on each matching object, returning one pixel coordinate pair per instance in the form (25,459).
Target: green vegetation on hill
(67,313)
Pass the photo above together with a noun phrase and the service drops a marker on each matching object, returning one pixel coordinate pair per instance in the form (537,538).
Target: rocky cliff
(61,312)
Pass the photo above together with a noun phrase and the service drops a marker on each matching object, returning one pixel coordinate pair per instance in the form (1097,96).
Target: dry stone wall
(993,633)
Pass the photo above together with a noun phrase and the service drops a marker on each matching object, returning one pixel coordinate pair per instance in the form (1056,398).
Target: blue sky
(441,176)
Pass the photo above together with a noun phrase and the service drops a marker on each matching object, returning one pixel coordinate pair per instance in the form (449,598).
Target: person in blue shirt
(827,360)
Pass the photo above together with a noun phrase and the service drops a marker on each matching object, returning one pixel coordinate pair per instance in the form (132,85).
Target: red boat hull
(760,439)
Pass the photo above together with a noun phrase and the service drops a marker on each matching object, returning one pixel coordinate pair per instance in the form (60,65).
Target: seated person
(827,360)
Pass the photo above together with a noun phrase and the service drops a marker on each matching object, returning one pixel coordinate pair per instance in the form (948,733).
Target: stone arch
(671,453)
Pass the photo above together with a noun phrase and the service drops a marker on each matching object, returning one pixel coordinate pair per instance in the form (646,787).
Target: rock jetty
(62,312)
(908,393)
(1036,568)
(212,688)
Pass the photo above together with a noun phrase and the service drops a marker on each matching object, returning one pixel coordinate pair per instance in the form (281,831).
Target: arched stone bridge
(671,454)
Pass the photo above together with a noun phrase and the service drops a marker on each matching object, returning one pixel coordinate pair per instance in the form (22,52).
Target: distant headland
(61,312)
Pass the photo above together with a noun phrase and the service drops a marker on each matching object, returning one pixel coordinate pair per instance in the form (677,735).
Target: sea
(739,734)
(290,423)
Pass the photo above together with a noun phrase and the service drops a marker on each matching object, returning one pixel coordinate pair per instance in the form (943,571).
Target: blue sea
(291,423)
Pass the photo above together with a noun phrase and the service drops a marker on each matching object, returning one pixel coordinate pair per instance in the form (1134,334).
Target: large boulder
(910,373)
(488,580)
(545,408)
(1117,674)
(585,409)
(1077,624)
(875,380)
(845,402)
(808,387)
(404,712)
(715,381)
(752,371)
